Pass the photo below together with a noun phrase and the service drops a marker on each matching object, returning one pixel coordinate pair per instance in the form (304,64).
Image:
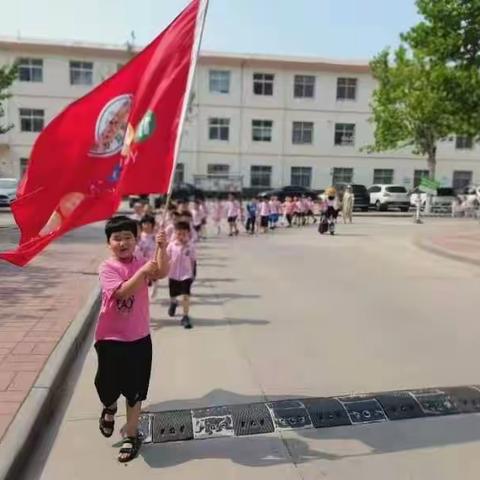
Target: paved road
(295,315)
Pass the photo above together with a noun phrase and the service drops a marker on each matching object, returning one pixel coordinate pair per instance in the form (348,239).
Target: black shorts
(123,369)
(232,219)
(179,287)
(264,221)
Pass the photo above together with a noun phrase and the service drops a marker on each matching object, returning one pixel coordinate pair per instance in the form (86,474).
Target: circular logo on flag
(146,127)
(111,126)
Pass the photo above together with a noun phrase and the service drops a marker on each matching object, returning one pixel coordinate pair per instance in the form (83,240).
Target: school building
(259,121)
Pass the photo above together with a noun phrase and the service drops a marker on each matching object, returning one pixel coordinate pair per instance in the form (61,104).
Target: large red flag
(121,138)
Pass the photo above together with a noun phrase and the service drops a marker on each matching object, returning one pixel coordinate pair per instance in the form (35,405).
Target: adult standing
(347,205)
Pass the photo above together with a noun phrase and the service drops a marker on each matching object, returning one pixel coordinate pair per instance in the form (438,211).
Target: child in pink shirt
(264,215)
(217,214)
(122,336)
(147,244)
(288,211)
(182,257)
(233,211)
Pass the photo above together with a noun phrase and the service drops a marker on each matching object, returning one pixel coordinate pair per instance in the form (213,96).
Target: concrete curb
(429,247)
(46,392)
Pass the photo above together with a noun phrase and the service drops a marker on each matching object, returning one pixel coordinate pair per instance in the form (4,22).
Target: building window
(179,175)
(263,83)
(219,170)
(219,129)
(418,175)
(304,86)
(30,69)
(464,143)
(342,175)
(23,166)
(301,177)
(345,134)
(347,88)
(302,133)
(31,120)
(462,179)
(219,81)
(260,176)
(81,73)
(383,176)
(262,130)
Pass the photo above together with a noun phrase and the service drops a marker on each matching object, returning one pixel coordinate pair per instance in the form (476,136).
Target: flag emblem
(111,126)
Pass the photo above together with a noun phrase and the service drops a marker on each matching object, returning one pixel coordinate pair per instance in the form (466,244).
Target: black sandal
(131,447)
(107,426)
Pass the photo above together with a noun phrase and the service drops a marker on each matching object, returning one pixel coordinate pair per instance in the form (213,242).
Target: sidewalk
(463,247)
(38,303)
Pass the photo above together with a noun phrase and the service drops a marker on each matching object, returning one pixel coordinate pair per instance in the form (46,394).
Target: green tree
(449,34)
(410,104)
(8,74)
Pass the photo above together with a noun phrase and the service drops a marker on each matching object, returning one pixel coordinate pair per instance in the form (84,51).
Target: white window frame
(262,130)
(36,117)
(301,176)
(218,129)
(31,69)
(347,132)
(463,142)
(81,73)
(460,173)
(342,175)
(347,89)
(383,176)
(302,133)
(301,85)
(265,82)
(219,81)
(261,171)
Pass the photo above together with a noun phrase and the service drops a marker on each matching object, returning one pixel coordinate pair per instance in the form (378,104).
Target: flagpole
(201,18)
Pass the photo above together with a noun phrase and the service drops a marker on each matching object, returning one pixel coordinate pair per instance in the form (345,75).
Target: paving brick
(9,408)
(5,379)
(44,348)
(12,396)
(24,348)
(23,381)
(5,421)
(38,358)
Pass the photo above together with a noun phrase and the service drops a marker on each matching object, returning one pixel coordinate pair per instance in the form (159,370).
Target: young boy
(122,337)
(147,243)
(182,258)
(264,215)
(252,208)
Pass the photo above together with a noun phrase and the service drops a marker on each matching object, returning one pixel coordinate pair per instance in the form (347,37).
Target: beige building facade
(265,121)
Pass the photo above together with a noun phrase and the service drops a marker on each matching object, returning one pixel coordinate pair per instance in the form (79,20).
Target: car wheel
(404,209)
(365,209)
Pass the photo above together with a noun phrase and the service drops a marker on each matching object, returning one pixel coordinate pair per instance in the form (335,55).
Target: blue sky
(325,28)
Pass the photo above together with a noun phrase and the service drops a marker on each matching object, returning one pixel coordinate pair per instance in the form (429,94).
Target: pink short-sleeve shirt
(124,320)
(181,258)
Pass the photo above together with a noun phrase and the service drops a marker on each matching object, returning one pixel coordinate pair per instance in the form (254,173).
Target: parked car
(8,191)
(442,201)
(383,197)
(362,197)
(289,191)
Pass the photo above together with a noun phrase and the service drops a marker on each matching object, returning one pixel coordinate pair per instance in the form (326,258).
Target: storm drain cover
(399,405)
(212,422)
(252,419)
(172,426)
(288,414)
(363,410)
(434,402)
(326,412)
(466,399)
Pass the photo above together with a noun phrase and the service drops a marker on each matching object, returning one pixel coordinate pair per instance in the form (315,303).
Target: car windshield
(396,190)
(445,192)
(8,184)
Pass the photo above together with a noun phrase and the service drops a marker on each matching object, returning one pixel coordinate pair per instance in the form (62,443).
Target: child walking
(182,260)
(122,336)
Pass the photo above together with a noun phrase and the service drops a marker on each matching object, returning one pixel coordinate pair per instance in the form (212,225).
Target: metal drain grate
(172,426)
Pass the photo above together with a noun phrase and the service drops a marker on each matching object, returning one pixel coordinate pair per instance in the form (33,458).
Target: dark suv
(289,191)
(362,197)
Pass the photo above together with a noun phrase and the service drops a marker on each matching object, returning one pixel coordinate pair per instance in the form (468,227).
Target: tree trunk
(432,163)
